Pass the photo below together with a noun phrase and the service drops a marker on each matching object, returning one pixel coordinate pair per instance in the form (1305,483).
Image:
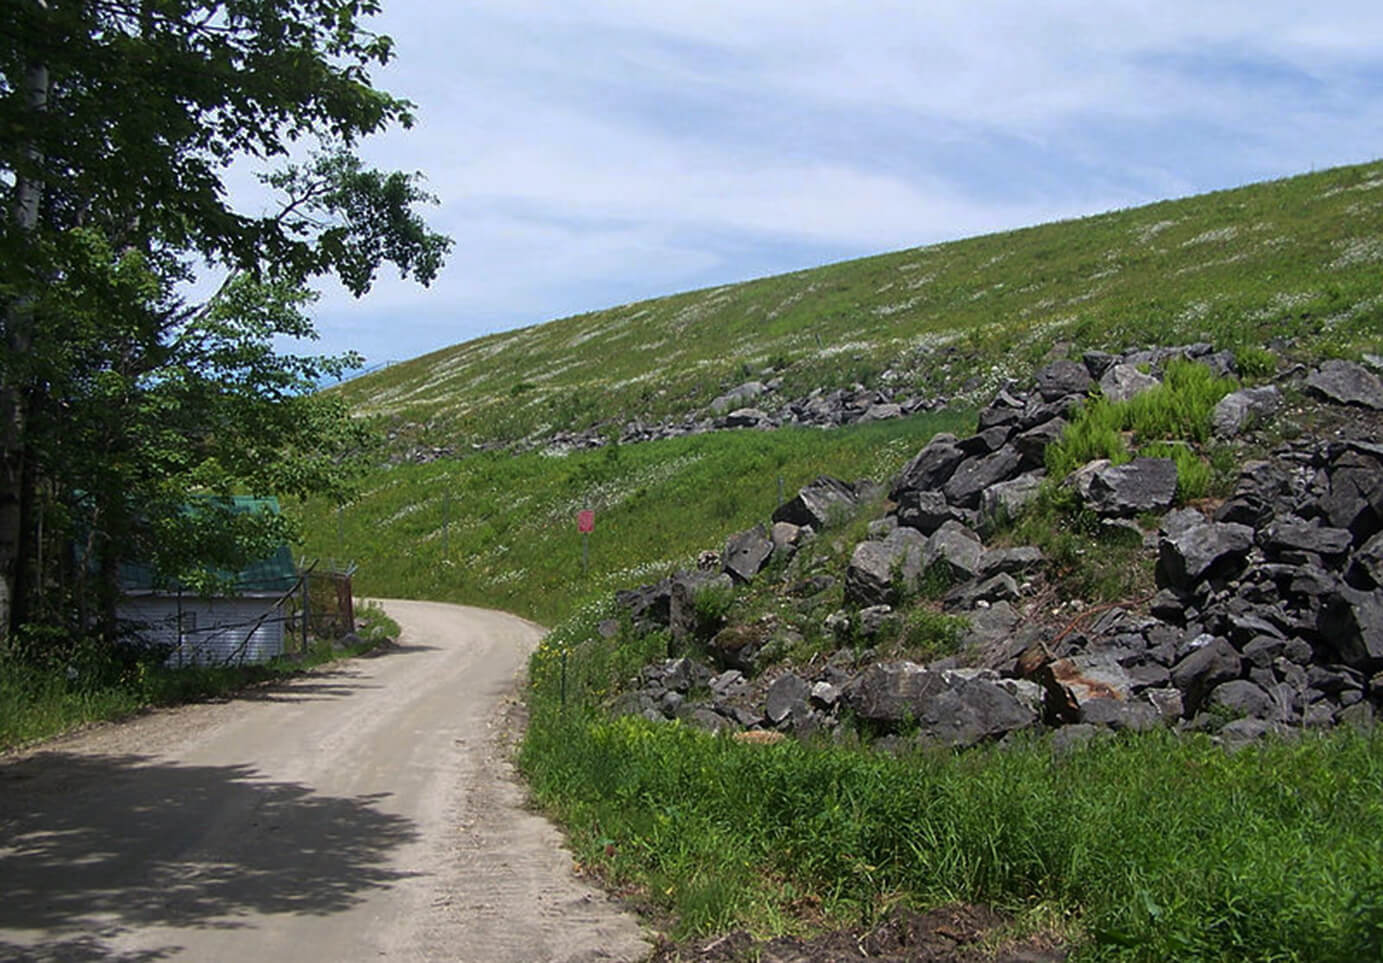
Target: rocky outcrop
(1269,614)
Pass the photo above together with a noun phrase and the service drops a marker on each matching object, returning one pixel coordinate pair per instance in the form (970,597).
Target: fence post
(306,613)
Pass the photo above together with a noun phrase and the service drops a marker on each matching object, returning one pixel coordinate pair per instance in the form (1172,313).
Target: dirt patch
(959,933)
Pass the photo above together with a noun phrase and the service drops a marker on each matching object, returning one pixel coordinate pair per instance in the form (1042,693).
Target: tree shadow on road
(103,844)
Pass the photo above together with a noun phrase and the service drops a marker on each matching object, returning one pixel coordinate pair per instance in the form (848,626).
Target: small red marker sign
(585,521)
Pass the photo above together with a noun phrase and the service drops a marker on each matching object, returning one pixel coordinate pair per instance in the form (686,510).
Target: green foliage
(1164,847)
(712,603)
(1255,363)
(374,625)
(929,634)
(1177,410)
(118,398)
(52,684)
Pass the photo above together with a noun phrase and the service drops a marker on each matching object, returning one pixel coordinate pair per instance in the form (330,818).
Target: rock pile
(1269,613)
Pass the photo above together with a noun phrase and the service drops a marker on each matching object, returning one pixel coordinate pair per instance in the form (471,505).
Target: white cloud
(610,149)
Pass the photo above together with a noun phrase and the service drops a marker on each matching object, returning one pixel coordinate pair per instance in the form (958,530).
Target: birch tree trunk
(19,338)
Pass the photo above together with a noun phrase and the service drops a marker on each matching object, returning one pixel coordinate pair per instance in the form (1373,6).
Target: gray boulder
(1007,499)
(747,418)
(927,511)
(787,697)
(1123,381)
(1352,621)
(1241,699)
(878,569)
(949,708)
(1203,669)
(954,547)
(1206,550)
(1073,682)
(746,553)
(1062,378)
(930,468)
(738,397)
(1243,409)
(1367,566)
(1014,561)
(1032,444)
(1346,383)
(1142,485)
(818,504)
(974,475)
(1292,534)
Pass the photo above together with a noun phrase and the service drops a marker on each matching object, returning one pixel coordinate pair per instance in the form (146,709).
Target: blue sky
(589,154)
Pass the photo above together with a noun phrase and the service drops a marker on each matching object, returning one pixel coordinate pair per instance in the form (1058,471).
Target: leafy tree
(118,122)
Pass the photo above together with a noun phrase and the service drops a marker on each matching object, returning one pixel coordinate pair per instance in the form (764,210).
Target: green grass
(1158,847)
(500,530)
(1295,258)
(41,701)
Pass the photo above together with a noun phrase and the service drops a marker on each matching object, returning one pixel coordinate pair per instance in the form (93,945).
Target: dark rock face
(974,475)
(1347,383)
(930,468)
(1204,668)
(1142,485)
(787,697)
(1062,378)
(1202,551)
(747,553)
(818,504)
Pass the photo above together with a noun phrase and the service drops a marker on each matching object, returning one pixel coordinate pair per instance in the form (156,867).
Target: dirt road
(365,813)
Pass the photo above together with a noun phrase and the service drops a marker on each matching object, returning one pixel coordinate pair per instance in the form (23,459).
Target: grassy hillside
(500,530)
(1297,258)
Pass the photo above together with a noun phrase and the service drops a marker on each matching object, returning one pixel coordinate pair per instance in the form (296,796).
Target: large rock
(1352,622)
(819,503)
(1142,485)
(1006,500)
(1198,552)
(1203,669)
(951,708)
(1073,682)
(1032,444)
(927,511)
(880,570)
(1123,381)
(1292,534)
(737,647)
(787,697)
(954,547)
(1355,498)
(1367,569)
(747,418)
(930,468)
(1062,378)
(746,553)
(974,475)
(1243,409)
(1347,383)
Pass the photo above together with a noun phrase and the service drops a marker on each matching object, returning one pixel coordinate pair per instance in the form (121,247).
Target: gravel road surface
(366,812)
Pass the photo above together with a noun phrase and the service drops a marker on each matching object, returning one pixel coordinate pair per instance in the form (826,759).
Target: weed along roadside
(1105,665)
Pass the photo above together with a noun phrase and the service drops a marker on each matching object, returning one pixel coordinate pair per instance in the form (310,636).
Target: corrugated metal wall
(212,631)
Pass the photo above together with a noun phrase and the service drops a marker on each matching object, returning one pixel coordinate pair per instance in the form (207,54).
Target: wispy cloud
(590,153)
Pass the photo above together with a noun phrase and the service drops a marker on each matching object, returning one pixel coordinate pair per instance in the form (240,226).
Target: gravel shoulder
(366,811)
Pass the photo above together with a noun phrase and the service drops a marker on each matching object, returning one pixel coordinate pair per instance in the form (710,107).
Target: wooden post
(306,612)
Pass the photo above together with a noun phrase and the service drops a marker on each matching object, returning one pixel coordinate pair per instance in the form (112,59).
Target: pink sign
(585,520)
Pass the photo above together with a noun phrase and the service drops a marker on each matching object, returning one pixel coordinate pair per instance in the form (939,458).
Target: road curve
(365,812)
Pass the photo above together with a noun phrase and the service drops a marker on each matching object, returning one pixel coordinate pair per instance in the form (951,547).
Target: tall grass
(1177,410)
(1160,847)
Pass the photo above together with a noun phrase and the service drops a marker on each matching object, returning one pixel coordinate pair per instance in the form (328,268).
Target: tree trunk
(19,330)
